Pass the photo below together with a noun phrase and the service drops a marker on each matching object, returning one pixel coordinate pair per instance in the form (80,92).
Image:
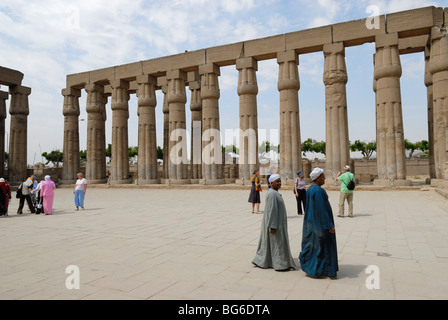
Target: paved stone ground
(164,243)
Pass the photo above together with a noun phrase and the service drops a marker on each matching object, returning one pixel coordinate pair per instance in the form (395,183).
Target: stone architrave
(429,91)
(336,128)
(3,97)
(177,153)
(96,134)
(290,143)
(194,84)
(248,136)
(439,71)
(120,147)
(212,156)
(19,111)
(390,133)
(147,138)
(71,114)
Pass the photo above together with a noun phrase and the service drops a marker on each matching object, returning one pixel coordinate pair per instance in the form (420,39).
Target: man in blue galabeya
(319,256)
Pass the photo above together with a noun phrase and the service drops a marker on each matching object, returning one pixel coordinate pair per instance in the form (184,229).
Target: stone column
(96,134)
(290,143)
(390,135)
(429,90)
(166,131)
(247,91)
(147,138)
(19,110)
(336,120)
(3,97)
(196,126)
(70,165)
(212,164)
(177,153)
(120,148)
(439,71)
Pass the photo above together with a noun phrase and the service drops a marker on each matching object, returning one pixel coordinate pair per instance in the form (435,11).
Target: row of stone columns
(205,94)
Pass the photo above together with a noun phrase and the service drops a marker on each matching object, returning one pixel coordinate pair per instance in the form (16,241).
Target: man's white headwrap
(316,173)
(274,177)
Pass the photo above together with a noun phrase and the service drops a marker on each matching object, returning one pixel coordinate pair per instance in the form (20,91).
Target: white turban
(316,173)
(47,177)
(274,177)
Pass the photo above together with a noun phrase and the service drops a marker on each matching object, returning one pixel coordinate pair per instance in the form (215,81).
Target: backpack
(351,185)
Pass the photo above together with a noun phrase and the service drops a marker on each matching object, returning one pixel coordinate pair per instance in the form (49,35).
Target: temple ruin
(395,34)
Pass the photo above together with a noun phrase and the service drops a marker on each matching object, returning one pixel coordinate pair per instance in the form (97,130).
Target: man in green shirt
(346,194)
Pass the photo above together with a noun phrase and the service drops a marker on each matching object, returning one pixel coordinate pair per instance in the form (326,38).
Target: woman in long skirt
(47,193)
(254,196)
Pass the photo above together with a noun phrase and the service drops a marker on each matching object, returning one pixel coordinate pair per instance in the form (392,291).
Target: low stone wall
(365,170)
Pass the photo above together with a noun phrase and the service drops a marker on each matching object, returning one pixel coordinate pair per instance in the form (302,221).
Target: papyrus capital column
(430,104)
(288,85)
(19,110)
(390,133)
(71,113)
(96,134)
(120,148)
(177,155)
(336,120)
(194,84)
(147,139)
(212,157)
(163,84)
(248,136)
(439,71)
(3,97)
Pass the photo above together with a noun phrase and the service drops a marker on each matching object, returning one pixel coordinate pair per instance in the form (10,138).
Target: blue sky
(48,39)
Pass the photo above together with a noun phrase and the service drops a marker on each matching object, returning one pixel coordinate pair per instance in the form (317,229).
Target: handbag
(19,192)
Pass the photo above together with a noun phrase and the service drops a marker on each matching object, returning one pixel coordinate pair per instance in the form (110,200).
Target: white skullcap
(316,173)
(274,177)
(2,179)
(347,167)
(47,177)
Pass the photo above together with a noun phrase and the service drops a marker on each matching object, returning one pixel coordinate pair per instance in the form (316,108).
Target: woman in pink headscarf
(47,193)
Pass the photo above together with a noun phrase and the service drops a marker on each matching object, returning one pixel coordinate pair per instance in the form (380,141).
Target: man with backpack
(347,186)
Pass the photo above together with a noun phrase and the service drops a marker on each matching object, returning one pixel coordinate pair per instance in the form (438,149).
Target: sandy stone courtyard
(188,243)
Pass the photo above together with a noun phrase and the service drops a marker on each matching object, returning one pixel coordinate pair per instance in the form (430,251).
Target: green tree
(133,154)
(410,146)
(230,148)
(311,145)
(83,157)
(264,147)
(420,145)
(109,151)
(423,146)
(366,148)
(55,157)
(159,153)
